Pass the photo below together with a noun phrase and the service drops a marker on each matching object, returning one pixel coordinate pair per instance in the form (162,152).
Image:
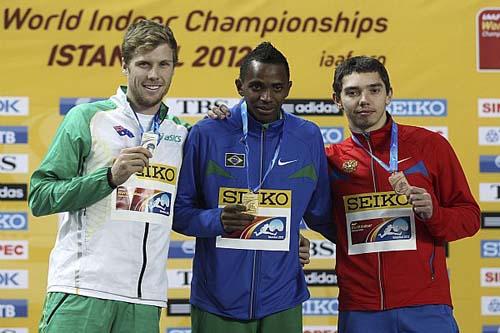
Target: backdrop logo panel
(488,39)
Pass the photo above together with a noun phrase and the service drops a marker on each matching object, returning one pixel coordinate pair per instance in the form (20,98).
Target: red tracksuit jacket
(384,259)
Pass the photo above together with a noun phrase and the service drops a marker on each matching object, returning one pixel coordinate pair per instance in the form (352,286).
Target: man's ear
(337,101)
(388,99)
(124,67)
(239,86)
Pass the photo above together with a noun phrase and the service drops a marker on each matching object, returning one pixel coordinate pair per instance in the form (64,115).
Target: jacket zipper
(144,259)
(253,287)
(379,256)
(431,261)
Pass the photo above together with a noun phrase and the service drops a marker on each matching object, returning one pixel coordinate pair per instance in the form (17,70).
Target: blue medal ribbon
(154,127)
(244,119)
(393,155)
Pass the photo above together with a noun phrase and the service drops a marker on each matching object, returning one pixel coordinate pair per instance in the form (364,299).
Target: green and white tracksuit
(112,243)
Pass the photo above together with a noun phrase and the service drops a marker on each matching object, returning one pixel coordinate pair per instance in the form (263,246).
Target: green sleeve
(58,184)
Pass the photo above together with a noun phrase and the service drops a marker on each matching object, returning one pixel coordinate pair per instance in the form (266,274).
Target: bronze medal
(399,182)
(251,201)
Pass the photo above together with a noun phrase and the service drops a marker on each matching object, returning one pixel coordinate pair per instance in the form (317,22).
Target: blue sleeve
(190,217)
(318,215)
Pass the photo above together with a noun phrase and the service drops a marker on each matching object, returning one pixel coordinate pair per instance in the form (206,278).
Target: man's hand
(421,201)
(234,219)
(128,162)
(219,112)
(304,250)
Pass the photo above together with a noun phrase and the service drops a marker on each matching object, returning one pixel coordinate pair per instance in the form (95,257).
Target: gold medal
(399,182)
(251,201)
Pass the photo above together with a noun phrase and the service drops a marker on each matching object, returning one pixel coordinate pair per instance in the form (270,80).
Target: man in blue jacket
(244,187)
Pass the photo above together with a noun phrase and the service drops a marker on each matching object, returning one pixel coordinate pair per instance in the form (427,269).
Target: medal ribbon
(393,155)
(154,127)
(244,119)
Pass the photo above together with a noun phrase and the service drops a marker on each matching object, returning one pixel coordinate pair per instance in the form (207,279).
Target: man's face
(264,88)
(363,99)
(149,77)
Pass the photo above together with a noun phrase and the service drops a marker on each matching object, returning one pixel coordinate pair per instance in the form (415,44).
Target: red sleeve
(456,213)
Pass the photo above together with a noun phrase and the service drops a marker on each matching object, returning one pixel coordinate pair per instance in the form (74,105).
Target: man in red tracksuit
(399,194)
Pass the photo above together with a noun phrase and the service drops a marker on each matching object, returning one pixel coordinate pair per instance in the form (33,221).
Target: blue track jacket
(250,284)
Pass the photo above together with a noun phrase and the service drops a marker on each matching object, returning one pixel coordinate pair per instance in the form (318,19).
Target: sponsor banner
(177,330)
(14,163)
(13,330)
(181,249)
(13,221)
(418,107)
(13,192)
(490,277)
(490,220)
(320,307)
(194,106)
(312,107)
(443,130)
(488,39)
(490,306)
(322,249)
(67,103)
(489,136)
(491,329)
(14,106)
(332,135)
(490,248)
(320,329)
(13,279)
(178,307)
(12,135)
(488,107)
(489,192)
(179,278)
(489,163)
(10,308)
(320,277)
(13,249)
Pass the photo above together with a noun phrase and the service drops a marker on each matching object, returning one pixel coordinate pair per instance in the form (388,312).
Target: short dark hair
(265,53)
(360,64)
(146,35)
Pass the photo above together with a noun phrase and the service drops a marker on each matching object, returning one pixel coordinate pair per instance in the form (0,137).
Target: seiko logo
(332,134)
(488,107)
(489,136)
(181,249)
(14,106)
(160,172)
(66,104)
(13,330)
(320,307)
(374,200)
(418,107)
(10,308)
(491,329)
(197,106)
(322,249)
(13,163)
(13,221)
(177,330)
(316,107)
(320,277)
(11,135)
(13,192)
(10,279)
(489,192)
(490,248)
(267,198)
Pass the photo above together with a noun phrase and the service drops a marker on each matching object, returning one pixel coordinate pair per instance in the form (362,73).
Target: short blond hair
(144,36)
